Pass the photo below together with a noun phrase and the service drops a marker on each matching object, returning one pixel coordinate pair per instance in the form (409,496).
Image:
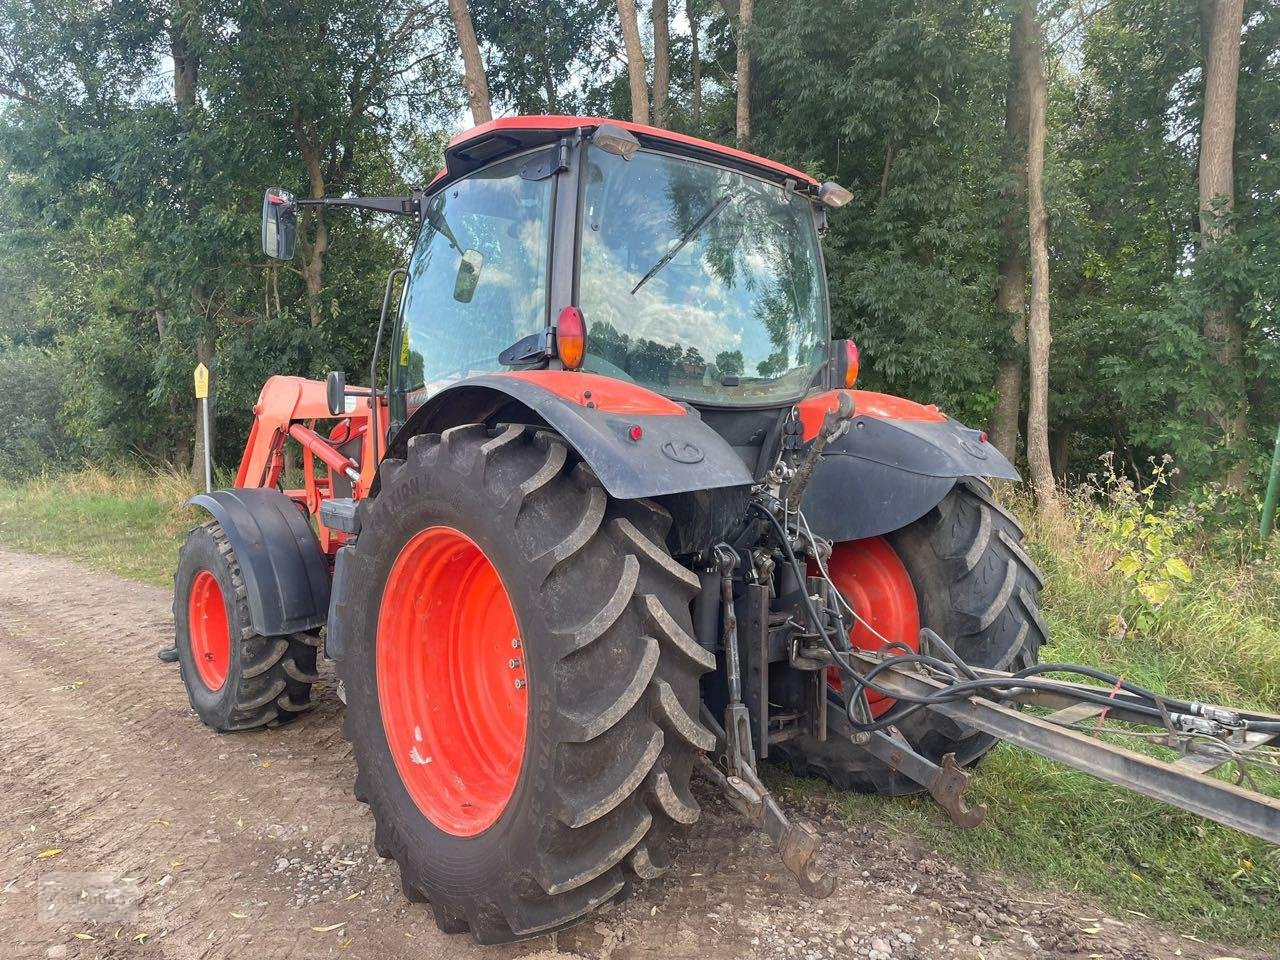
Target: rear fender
(897,462)
(285,572)
(639,443)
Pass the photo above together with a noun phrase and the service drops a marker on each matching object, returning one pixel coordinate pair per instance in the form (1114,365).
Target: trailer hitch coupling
(797,842)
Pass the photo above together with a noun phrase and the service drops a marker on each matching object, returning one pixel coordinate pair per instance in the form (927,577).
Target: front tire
(235,678)
(976,588)
(609,667)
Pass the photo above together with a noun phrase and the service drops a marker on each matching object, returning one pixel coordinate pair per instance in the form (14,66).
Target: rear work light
(571,338)
(844,363)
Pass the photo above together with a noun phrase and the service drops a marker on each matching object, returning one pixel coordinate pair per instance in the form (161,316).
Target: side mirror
(279,224)
(464,285)
(336,392)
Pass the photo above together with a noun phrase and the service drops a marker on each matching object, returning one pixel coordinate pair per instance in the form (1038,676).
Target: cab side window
(477,282)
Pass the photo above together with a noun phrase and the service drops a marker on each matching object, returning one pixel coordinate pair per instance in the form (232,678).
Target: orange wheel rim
(872,578)
(452,685)
(207,624)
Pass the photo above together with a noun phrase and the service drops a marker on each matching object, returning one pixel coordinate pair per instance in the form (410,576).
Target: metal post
(208,457)
(1273,490)
(201,377)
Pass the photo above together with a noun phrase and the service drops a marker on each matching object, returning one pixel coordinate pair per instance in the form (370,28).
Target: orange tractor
(609,511)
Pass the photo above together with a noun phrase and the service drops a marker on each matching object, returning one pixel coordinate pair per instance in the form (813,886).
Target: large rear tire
(601,682)
(235,678)
(976,588)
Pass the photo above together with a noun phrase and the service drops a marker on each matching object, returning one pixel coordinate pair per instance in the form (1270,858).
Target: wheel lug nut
(513,663)
(515,643)
(520,683)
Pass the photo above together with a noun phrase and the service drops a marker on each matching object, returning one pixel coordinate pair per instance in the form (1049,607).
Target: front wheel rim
(452,685)
(210,636)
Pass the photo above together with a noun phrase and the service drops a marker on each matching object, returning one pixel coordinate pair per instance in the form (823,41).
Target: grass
(1216,637)
(129,522)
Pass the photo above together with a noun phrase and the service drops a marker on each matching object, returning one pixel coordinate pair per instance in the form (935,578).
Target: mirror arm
(409,205)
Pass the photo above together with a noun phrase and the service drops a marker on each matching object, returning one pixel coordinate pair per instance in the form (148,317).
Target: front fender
(286,575)
(639,443)
(887,472)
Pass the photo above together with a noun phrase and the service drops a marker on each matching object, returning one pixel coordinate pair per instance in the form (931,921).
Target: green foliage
(34,385)
(1150,543)
(546,56)
(907,110)
(128,221)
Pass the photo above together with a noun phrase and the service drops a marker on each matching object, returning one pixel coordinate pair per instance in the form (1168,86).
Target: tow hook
(797,842)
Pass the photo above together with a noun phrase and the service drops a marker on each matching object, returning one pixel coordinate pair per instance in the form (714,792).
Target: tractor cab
(691,272)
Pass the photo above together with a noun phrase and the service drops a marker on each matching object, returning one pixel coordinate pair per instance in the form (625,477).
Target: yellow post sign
(202,394)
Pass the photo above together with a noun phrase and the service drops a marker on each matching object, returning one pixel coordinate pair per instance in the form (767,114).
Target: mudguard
(639,443)
(285,572)
(889,471)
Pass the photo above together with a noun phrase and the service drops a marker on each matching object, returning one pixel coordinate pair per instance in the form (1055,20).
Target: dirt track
(177,842)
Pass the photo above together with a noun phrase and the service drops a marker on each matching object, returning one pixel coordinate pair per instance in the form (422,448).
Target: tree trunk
(695,64)
(1011,292)
(744,75)
(1060,453)
(186,62)
(549,89)
(312,243)
(1038,335)
(184,26)
(1222,328)
(635,61)
(474,80)
(661,61)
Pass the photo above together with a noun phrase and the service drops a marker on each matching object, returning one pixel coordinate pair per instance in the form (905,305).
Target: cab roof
(481,145)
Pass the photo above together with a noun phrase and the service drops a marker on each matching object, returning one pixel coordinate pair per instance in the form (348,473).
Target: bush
(32,437)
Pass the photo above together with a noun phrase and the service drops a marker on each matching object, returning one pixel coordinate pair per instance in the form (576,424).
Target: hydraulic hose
(960,689)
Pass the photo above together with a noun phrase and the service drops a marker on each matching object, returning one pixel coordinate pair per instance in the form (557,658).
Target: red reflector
(571,338)
(982,437)
(851,363)
(635,433)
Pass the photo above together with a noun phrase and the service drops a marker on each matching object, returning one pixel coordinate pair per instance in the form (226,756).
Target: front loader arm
(290,408)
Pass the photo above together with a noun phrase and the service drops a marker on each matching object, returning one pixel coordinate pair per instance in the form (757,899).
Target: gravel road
(130,830)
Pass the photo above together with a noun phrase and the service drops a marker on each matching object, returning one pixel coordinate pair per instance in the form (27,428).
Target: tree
(474,80)
(742,115)
(695,64)
(1011,289)
(661,61)
(1222,20)
(635,61)
(546,58)
(1036,83)
(185,40)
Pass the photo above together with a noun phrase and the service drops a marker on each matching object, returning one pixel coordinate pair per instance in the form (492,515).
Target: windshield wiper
(689,234)
(436,218)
